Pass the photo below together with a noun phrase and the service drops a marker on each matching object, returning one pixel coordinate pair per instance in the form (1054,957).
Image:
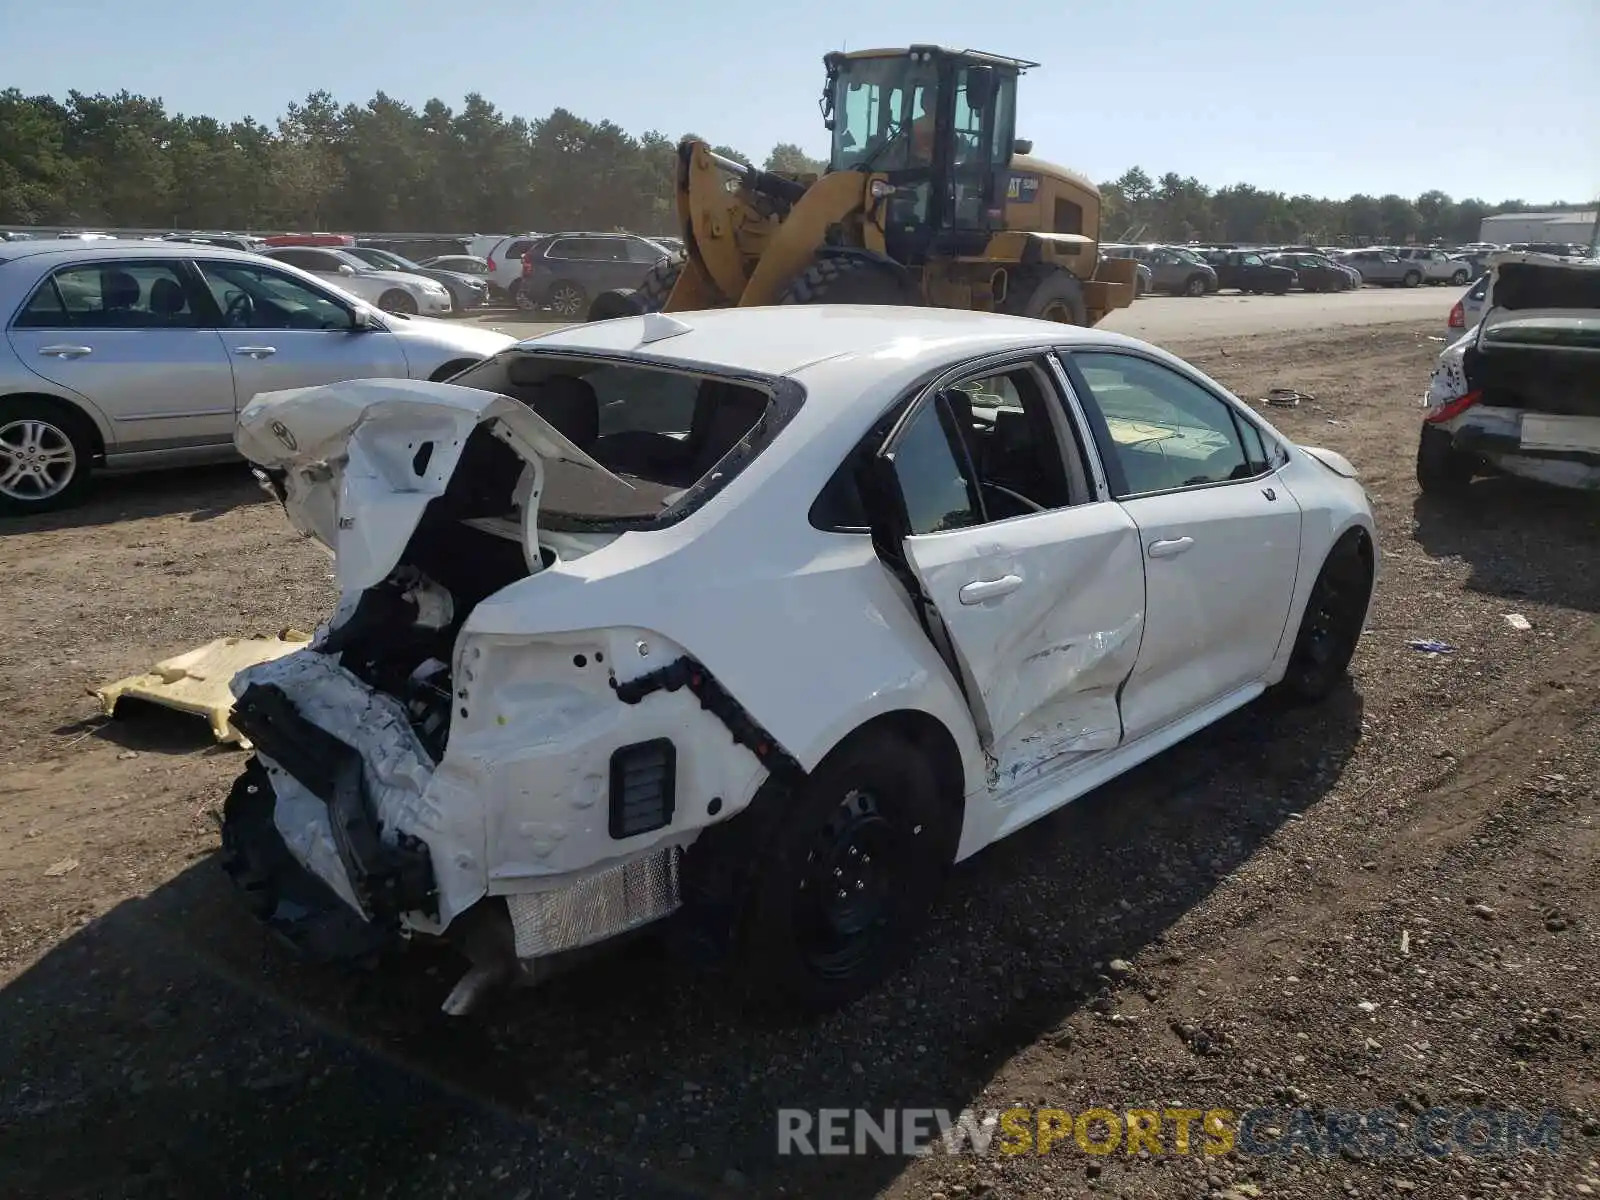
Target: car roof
(784,340)
(93,251)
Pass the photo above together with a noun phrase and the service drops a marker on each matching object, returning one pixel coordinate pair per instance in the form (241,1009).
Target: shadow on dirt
(171,1044)
(148,728)
(1520,538)
(205,493)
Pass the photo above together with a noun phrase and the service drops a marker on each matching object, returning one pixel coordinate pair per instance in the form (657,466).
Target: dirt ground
(1388,900)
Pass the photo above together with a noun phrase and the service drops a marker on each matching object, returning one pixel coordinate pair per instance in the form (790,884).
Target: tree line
(123,161)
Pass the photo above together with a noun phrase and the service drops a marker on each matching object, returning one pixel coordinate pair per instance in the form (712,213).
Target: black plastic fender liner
(293,903)
(387,879)
(719,702)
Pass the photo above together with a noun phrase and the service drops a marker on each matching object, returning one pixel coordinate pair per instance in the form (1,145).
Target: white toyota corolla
(759,619)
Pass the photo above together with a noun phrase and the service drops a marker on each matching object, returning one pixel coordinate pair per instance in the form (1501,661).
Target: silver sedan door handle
(980,590)
(1168,547)
(66,351)
(255,351)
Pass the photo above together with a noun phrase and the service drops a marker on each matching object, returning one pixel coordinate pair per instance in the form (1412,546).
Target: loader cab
(939,125)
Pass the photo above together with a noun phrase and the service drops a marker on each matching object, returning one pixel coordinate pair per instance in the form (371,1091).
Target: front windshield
(385,259)
(883,113)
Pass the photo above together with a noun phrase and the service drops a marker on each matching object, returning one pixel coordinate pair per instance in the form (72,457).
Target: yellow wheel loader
(929,199)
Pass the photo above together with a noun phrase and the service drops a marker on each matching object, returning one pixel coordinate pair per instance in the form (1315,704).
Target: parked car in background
(310,239)
(416,248)
(1248,271)
(505,265)
(1173,269)
(1477,261)
(563,271)
(1314,272)
(227,241)
(87,236)
(941,504)
(1520,394)
(1384,267)
(135,355)
(467,292)
(392,291)
(470,264)
(1437,266)
(1466,312)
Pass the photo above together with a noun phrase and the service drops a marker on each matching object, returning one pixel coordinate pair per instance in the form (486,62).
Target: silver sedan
(140,355)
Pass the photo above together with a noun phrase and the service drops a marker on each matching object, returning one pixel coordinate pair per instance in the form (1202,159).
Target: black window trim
(896,417)
(1277,454)
(201,303)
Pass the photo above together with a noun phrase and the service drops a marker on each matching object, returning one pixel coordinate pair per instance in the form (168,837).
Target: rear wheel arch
(71,410)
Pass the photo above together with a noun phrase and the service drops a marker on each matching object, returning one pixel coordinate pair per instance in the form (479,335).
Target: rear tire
(521,296)
(1459,278)
(846,876)
(846,281)
(1442,470)
(567,300)
(656,287)
(1195,285)
(1045,293)
(1411,279)
(45,455)
(397,301)
(1330,627)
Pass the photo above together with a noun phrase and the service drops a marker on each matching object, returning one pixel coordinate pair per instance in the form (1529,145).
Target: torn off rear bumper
(386,878)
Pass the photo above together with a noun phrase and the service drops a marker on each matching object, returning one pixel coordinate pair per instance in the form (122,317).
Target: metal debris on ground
(1431,647)
(1518,621)
(1288,398)
(56,870)
(197,682)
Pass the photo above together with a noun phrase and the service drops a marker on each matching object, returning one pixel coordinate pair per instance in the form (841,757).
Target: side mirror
(980,87)
(1022,146)
(361,320)
(346,269)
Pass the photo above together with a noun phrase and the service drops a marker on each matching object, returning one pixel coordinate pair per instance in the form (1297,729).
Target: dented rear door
(1039,614)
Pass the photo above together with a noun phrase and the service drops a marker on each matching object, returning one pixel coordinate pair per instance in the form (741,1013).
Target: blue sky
(1476,97)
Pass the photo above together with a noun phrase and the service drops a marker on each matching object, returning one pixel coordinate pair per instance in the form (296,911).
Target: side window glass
(44,310)
(932,476)
(1163,431)
(125,295)
(564,249)
(1005,422)
(252,297)
(1255,450)
(643,252)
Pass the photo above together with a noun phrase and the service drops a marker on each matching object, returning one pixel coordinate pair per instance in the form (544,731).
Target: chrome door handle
(980,590)
(1168,547)
(255,351)
(65,351)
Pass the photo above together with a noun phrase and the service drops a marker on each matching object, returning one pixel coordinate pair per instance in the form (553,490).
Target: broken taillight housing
(1458,316)
(1452,409)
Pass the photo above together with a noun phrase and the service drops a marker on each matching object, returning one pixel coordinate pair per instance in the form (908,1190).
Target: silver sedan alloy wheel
(37,460)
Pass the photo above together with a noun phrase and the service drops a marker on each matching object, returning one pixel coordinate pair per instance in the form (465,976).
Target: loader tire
(846,281)
(1046,293)
(658,282)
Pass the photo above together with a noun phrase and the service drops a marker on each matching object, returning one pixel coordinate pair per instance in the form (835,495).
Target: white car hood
(350,452)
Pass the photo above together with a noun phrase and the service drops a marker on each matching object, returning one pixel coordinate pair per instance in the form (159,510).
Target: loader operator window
(878,102)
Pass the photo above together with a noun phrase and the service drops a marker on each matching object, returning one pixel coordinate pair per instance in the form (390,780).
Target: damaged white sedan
(758,619)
